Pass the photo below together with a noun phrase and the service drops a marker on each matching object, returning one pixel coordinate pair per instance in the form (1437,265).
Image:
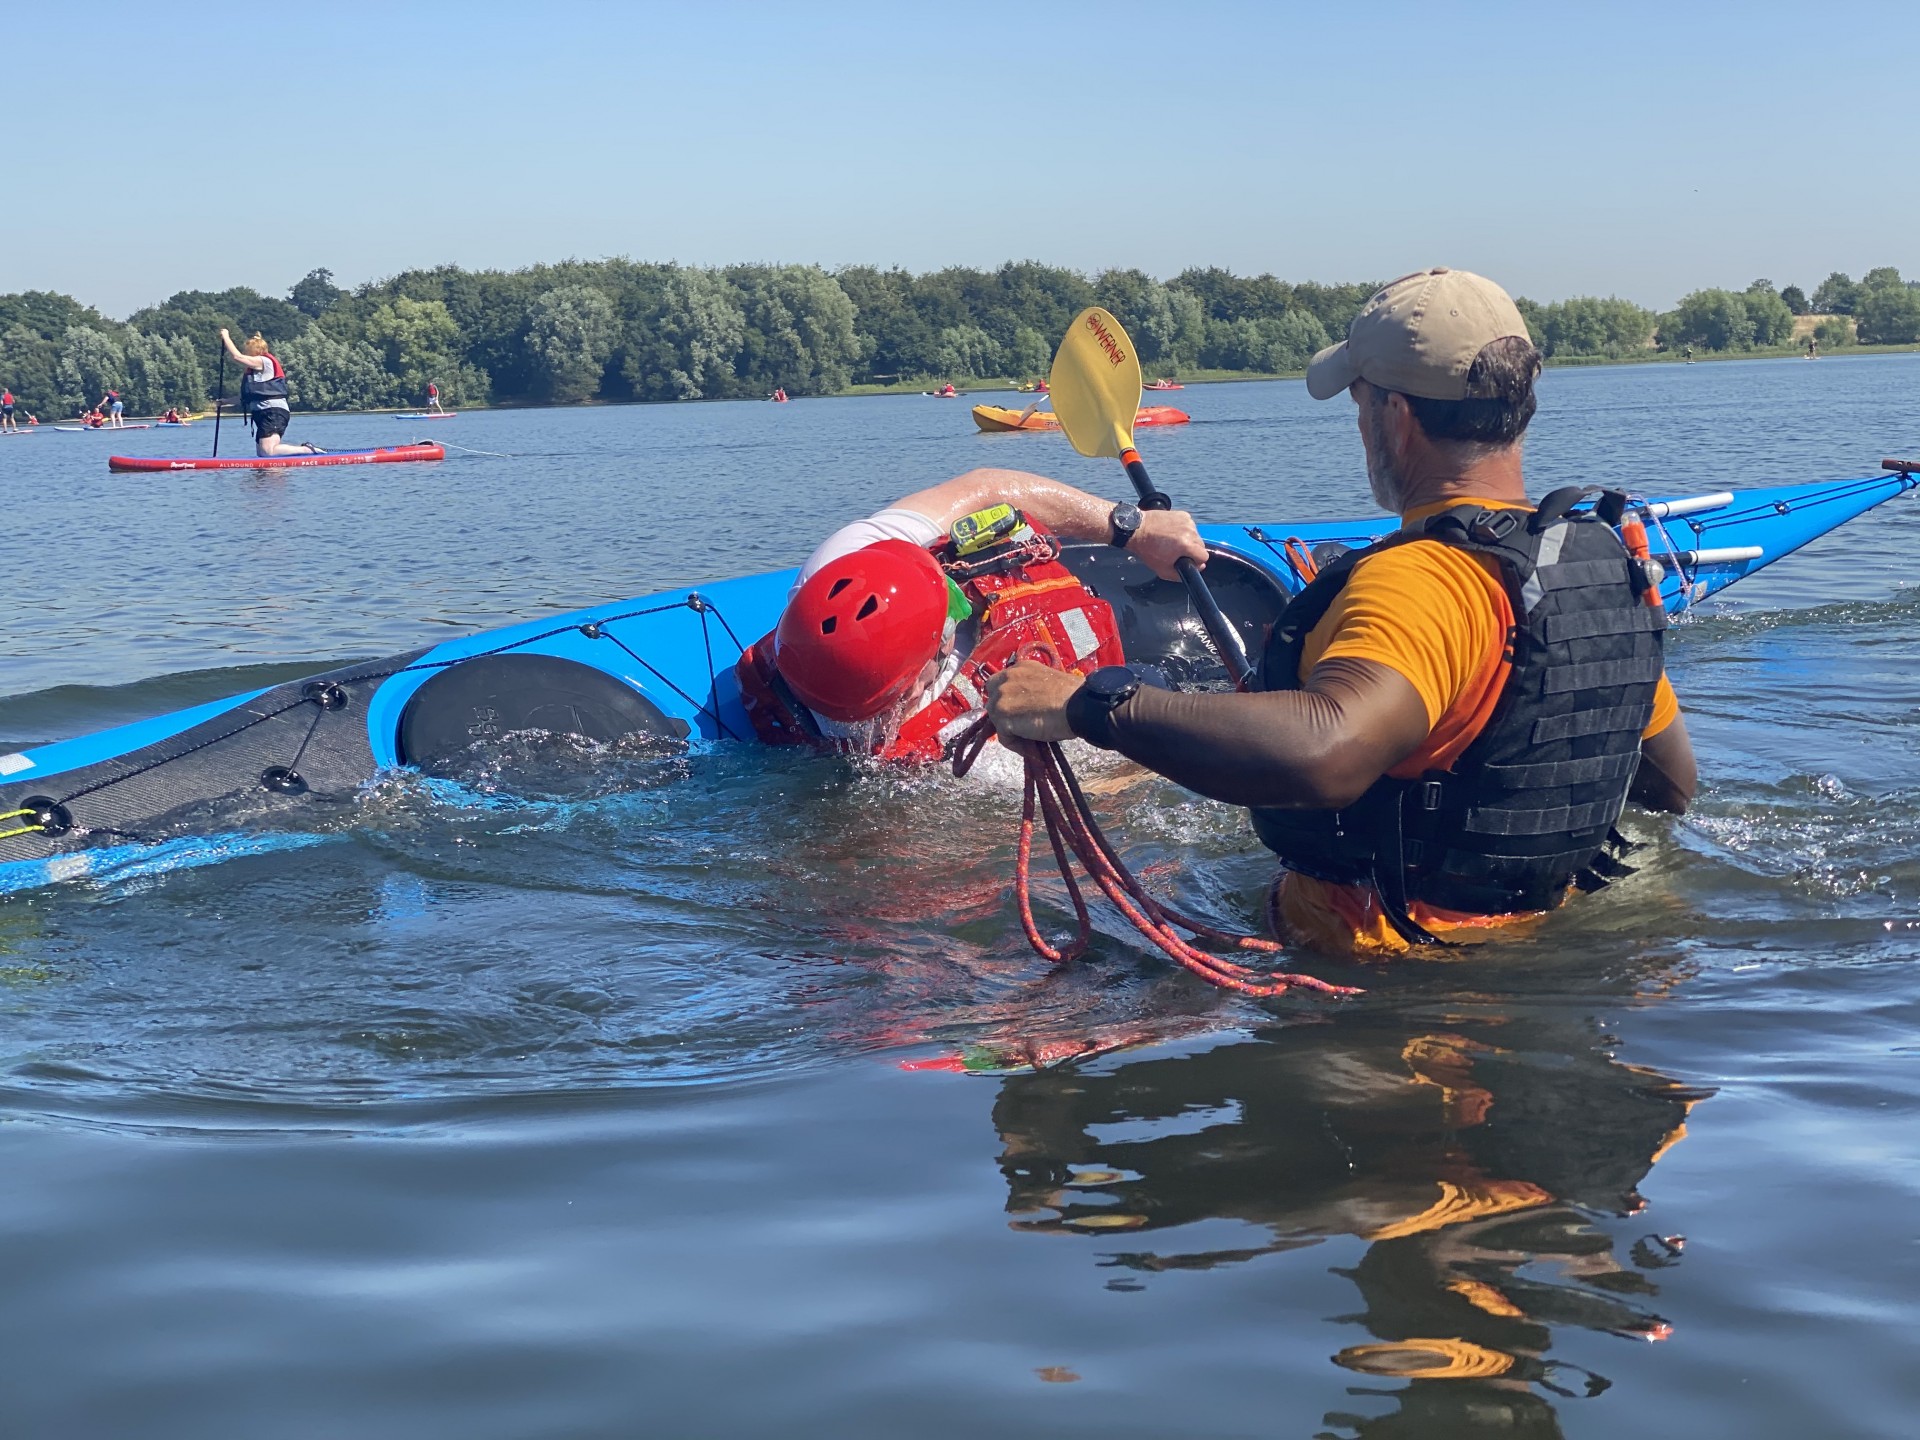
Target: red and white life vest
(1026,605)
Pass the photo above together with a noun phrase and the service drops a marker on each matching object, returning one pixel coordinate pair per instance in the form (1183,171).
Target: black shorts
(6,412)
(269,422)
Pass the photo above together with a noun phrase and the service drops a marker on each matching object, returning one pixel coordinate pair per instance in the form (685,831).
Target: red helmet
(858,632)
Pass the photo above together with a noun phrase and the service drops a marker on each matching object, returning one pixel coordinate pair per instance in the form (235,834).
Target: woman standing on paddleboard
(263,397)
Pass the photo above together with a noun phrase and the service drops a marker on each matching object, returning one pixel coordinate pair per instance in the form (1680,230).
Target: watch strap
(1091,718)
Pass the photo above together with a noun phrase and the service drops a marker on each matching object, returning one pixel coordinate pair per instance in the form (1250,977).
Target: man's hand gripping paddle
(1096,393)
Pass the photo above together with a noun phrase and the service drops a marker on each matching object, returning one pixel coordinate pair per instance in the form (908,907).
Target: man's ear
(1401,423)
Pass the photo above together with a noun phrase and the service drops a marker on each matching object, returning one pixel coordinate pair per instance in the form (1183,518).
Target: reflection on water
(574,1107)
(1489,1161)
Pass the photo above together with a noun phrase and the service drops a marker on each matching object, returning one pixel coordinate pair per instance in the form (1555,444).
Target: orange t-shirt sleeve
(1439,619)
(1666,709)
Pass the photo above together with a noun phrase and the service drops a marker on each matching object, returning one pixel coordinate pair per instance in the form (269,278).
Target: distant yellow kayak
(998,417)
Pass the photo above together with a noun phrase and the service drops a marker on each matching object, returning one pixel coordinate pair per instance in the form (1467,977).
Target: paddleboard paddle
(1096,394)
(219,405)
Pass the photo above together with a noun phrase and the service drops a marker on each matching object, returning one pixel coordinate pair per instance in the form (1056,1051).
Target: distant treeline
(622,330)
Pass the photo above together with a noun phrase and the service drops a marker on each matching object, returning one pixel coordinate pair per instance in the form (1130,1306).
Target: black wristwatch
(1123,523)
(1090,711)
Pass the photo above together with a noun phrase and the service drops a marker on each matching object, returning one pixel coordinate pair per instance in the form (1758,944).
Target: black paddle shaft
(221,403)
(1220,630)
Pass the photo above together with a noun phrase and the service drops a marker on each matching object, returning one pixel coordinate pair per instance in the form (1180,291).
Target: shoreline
(1200,377)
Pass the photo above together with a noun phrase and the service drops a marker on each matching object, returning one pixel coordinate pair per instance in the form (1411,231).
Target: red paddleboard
(385,455)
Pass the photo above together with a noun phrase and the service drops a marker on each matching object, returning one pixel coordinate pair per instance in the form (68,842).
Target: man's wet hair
(1500,400)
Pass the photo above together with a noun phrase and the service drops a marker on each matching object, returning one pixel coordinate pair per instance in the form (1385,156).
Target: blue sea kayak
(662,666)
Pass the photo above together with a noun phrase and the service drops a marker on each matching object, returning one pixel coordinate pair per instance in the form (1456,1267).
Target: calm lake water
(588,1115)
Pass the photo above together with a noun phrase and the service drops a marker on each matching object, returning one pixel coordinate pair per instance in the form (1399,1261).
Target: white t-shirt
(263,364)
(892,523)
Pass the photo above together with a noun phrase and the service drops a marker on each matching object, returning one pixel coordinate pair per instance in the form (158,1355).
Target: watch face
(1113,682)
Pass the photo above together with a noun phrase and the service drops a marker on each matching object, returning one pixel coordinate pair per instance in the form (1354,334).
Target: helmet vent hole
(873,604)
(839,585)
(827,625)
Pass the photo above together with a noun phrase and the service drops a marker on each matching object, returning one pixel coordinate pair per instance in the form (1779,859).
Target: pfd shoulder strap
(1280,661)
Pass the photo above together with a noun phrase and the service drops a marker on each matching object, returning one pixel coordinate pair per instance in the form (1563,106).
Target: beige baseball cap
(1420,335)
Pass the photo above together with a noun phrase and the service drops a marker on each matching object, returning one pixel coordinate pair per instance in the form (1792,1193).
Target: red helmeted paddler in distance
(899,620)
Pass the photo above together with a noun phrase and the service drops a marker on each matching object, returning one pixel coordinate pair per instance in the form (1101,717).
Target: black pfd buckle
(1490,527)
(1430,795)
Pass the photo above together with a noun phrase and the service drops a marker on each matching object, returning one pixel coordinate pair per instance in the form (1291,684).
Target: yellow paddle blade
(1096,384)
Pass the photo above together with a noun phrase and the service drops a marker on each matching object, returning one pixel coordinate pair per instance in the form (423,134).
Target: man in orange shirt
(1448,723)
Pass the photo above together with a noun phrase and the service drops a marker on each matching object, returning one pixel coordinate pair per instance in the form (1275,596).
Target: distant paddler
(433,398)
(263,396)
(7,421)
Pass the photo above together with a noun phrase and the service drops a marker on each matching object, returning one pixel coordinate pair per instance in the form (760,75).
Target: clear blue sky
(1597,149)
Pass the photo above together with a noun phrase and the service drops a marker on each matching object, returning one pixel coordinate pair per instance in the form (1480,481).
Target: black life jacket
(255,392)
(1527,810)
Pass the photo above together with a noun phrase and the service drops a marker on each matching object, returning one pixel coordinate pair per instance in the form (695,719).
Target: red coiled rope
(1052,791)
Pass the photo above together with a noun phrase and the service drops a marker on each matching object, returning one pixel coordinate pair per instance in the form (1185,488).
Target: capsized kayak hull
(662,666)
(384,455)
(994,418)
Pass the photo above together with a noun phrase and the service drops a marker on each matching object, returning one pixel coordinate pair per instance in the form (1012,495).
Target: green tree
(419,342)
(1796,300)
(1881,277)
(1772,319)
(1334,306)
(1290,340)
(1030,354)
(1834,295)
(1534,313)
(1590,326)
(800,333)
(1232,345)
(1888,313)
(895,336)
(967,351)
(687,344)
(571,331)
(1167,323)
(163,371)
(1711,319)
(315,294)
(29,366)
(325,372)
(47,314)
(91,363)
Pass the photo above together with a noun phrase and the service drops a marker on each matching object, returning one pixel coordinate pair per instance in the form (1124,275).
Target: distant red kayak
(385,455)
